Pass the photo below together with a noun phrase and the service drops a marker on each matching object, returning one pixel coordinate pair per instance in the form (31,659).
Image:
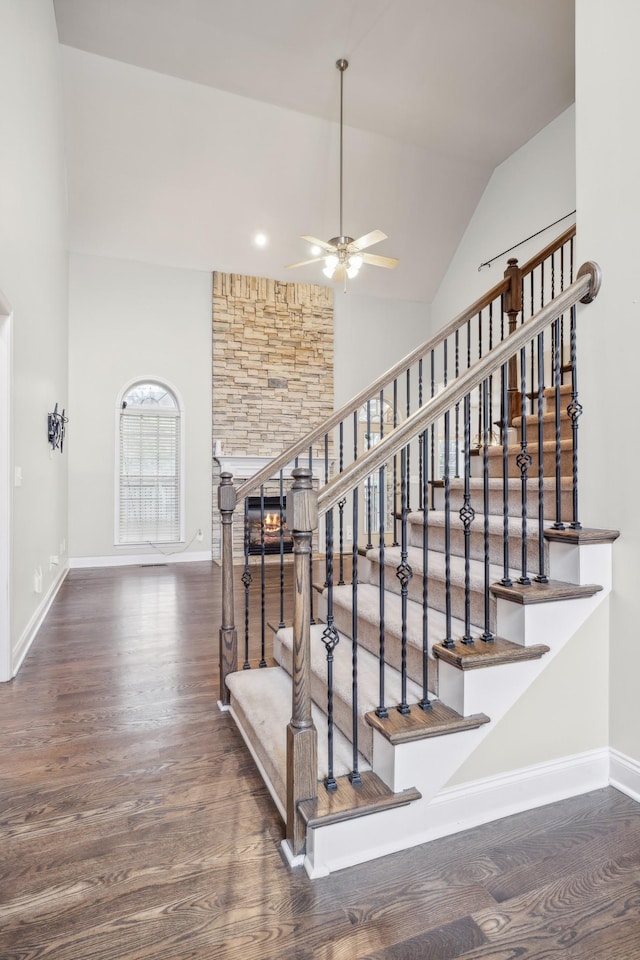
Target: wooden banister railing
(406,433)
(586,286)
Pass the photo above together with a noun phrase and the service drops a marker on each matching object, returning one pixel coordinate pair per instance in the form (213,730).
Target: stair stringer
(428,765)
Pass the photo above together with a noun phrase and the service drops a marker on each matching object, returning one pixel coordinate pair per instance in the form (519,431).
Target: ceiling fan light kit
(343,255)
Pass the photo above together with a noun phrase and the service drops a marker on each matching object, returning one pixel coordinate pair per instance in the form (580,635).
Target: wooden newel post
(228,636)
(302,737)
(513,306)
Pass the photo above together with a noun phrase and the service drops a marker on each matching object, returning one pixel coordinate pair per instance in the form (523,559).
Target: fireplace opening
(268,522)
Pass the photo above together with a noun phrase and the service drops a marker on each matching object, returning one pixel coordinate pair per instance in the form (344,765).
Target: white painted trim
(624,774)
(481,801)
(136,559)
(30,632)
(6,486)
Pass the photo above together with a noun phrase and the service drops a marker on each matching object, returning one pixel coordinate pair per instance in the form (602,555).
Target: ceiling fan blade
(329,247)
(303,263)
(378,261)
(368,240)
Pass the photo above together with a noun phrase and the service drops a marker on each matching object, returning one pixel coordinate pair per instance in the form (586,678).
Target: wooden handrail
(302,445)
(506,286)
(584,288)
(550,248)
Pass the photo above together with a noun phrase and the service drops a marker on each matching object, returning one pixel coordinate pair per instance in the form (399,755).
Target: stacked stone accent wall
(272,369)
(272,362)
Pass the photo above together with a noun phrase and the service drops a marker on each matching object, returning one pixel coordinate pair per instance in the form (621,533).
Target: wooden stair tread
(482,654)
(420,724)
(350,800)
(583,535)
(544,592)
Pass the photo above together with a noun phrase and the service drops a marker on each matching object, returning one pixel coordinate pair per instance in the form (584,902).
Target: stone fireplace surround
(272,379)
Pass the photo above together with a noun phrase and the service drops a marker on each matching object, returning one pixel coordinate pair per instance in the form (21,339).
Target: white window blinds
(149,476)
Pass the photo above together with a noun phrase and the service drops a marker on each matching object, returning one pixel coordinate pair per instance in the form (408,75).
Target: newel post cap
(227,494)
(302,502)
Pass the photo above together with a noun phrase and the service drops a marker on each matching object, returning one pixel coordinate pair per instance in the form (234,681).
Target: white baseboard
(23,645)
(140,559)
(624,774)
(472,804)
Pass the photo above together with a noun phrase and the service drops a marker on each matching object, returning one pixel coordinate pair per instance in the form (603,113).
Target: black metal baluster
(523,461)
(491,377)
(480,336)
(425,702)
(396,420)
(311,588)
(263,593)
(542,577)
(281,511)
(467,514)
(421,501)
(504,381)
(341,503)
(448,641)
(487,635)
(558,525)
(330,638)
(381,709)
(457,423)
(408,448)
(433,429)
(404,573)
(574,410)
(354,776)
(246,580)
(368,446)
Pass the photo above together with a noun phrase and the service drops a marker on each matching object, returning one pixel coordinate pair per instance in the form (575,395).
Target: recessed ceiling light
(315,250)
(260,239)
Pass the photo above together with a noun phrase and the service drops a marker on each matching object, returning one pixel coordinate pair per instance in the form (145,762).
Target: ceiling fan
(343,255)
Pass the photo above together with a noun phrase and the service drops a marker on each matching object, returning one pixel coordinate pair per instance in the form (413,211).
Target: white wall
(608,161)
(33,279)
(371,334)
(166,171)
(129,320)
(530,189)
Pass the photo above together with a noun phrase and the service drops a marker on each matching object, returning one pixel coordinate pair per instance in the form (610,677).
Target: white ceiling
(469,80)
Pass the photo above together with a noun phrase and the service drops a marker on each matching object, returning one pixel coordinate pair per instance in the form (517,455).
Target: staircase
(423,634)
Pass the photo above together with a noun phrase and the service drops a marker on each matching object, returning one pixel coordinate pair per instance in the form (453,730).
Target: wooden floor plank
(135,826)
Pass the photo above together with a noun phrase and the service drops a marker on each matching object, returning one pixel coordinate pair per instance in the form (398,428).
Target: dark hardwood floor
(134,824)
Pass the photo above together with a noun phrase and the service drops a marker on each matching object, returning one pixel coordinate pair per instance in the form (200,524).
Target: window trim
(180,412)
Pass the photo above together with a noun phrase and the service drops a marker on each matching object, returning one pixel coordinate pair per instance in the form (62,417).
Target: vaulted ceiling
(463,81)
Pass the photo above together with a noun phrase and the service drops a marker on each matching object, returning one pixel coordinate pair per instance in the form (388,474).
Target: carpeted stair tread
(436,566)
(261,706)
(369,611)
(368,681)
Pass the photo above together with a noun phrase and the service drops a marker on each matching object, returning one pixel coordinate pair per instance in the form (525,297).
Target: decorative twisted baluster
(504,381)
(448,640)
(467,515)
(404,573)
(425,702)
(381,709)
(542,577)
(330,638)
(523,460)
(457,409)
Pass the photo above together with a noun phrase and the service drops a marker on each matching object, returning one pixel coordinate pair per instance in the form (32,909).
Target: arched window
(149,496)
